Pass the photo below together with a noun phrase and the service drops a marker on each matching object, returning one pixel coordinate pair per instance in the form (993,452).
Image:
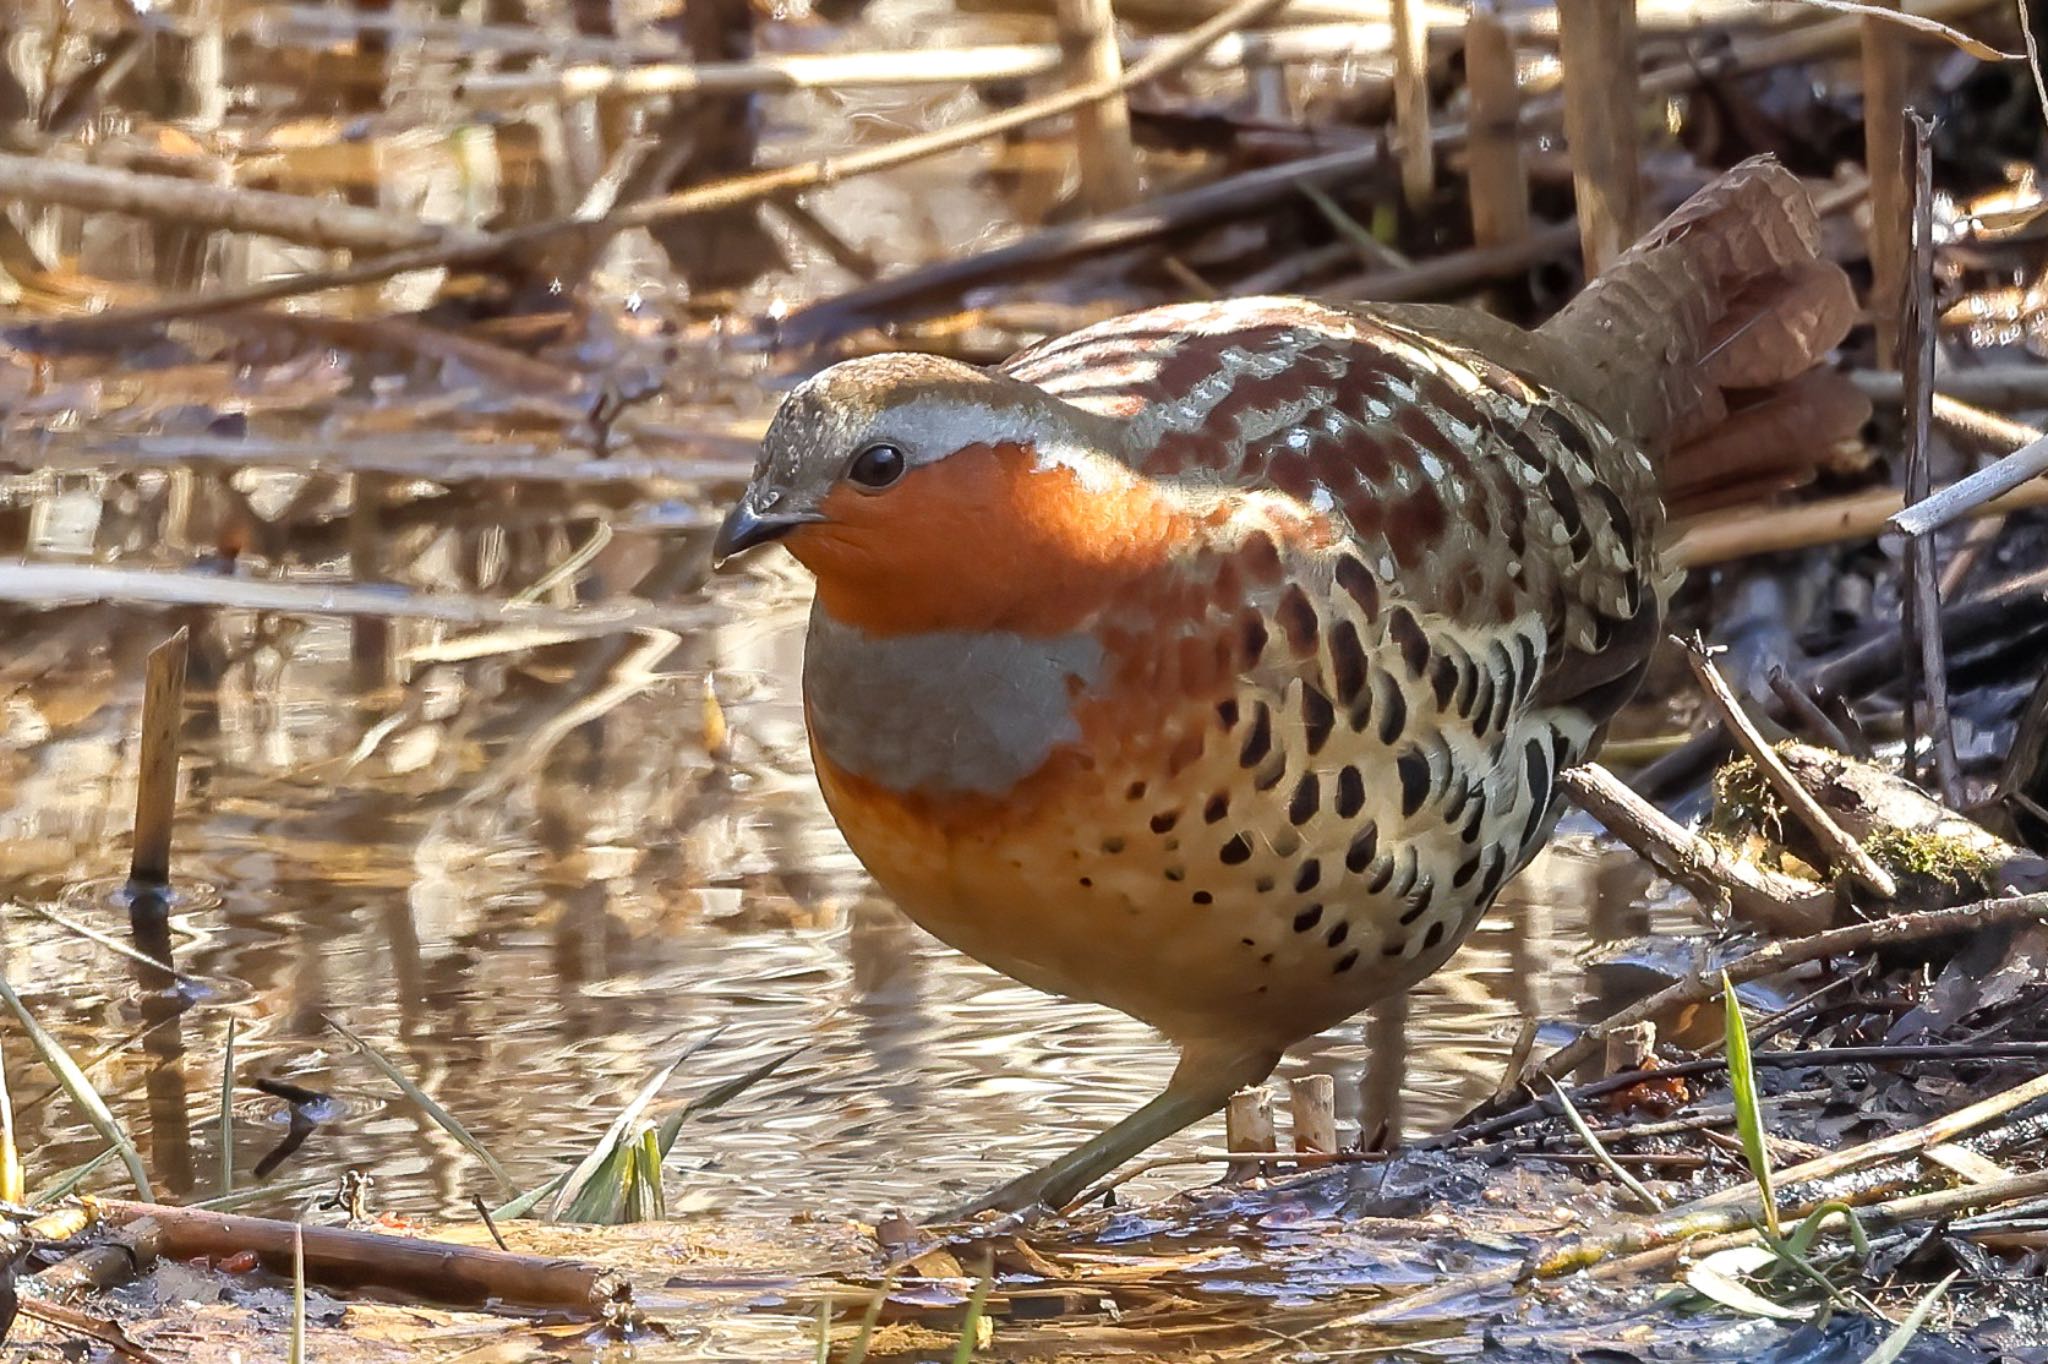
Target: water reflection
(532,877)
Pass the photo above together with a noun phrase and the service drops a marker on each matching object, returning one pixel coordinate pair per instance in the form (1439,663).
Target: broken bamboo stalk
(1497,179)
(1102,128)
(1602,103)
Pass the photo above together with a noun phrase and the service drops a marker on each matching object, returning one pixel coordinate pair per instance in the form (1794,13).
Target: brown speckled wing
(1435,582)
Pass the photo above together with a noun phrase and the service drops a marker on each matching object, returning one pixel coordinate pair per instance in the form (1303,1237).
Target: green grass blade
(81,1091)
(1749,1113)
(12,1182)
(227,1112)
(1894,1345)
(720,1095)
(427,1104)
(970,1329)
(858,1351)
(526,1202)
(67,1180)
(582,1192)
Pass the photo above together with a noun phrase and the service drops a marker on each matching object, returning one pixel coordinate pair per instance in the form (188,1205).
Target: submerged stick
(415,1266)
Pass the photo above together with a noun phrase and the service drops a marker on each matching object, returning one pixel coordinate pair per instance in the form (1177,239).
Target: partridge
(1217,663)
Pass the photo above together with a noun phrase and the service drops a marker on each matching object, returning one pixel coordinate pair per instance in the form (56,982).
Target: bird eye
(877,466)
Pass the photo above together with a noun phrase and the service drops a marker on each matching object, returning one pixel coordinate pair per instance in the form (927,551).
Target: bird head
(925,494)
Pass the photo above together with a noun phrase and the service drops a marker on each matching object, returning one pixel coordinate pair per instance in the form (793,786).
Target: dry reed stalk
(1884,161)
(1602,111)
(168,198)
(1102,129)
(1496,177)
(1414,145)
(1248,1129)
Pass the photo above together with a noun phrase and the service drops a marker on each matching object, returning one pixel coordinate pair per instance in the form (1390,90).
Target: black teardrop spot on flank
(1263,885)
(1533,829)
(1496,867)
(1474,818)
(1176,874)
(1406,632)
(1254,639)
(1617,518)
(1237,850)
(1560,751)
(1297,617)
(1434,936)
(1418,903)
(1347,663)
(1350,792)
(1467,869)
(1307,800)
(1308,918)
(1525,678)
(1226,711)
(1268,777)
(1413,770)
(1565,499)
(1165,820)
(1318,717)
(1443,680)
(1363,846)
(1393,710)
(1259,742)
(1536,770)
(1345,962)
(1217,807)
(1381,876)
(1309,877)
(1203,897)
(1135,791)
(1468,684)
(1112,846)
(1394,948)
(1457,790)
(1339,933)
(1356,579)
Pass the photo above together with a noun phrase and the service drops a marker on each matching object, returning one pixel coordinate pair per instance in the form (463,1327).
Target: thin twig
(1922,572)
(723,194)
(1777,956)
(1844,852)
(1650,1201)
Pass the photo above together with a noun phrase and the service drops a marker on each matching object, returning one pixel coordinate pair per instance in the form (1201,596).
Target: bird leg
(1202,1083)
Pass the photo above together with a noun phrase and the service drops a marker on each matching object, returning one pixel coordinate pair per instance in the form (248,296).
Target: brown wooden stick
(1844,852)
(288,217)
(1884,161)
(1601,106)
(1771,902)
(1102,129)
(422,1269)
(156,784)
(1497,181)
(132,1251)
(1414,142)
(1777,956)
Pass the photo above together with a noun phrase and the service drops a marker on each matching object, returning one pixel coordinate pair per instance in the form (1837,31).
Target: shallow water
(530,915)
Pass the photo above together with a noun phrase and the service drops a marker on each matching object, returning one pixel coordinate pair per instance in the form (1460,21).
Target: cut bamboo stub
(1248,1127)
(156,785)
(1312,1110)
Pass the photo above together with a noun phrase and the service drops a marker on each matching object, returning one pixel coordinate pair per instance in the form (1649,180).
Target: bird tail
(1706,334)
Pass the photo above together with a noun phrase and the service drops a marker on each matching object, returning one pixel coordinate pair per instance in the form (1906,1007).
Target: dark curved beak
(744,528)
